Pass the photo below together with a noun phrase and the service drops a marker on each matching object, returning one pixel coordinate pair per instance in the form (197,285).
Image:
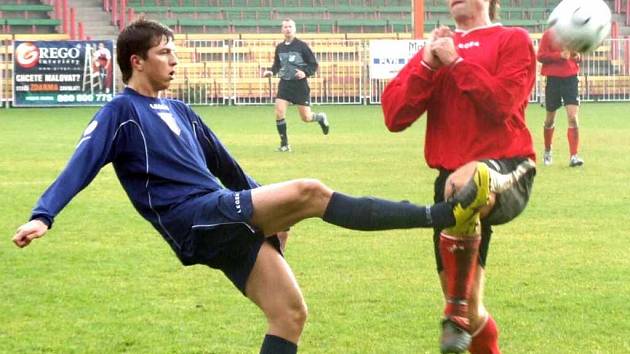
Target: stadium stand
(224,44)
(27,17)
(362,16)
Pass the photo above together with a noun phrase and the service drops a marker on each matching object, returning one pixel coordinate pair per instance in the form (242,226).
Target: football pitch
(103,281)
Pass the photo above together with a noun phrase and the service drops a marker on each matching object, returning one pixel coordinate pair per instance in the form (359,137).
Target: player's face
(288,29)
(159,67)
(462,10)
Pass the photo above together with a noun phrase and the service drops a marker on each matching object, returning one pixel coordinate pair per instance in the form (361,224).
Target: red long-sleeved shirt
(476,107)
(553,64)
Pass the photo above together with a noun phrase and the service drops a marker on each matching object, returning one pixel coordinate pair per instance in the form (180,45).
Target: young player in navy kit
(182,180)
(474,84)
(294,62)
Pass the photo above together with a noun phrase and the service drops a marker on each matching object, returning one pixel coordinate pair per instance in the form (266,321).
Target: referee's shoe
(323,122)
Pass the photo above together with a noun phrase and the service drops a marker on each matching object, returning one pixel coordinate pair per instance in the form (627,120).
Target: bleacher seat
(27,18)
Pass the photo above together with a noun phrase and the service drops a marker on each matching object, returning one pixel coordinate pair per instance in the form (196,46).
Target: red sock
(548,138)
(459,258)
(486,340)
(573,135)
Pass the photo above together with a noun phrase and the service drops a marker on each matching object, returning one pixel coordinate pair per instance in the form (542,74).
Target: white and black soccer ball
(580,25)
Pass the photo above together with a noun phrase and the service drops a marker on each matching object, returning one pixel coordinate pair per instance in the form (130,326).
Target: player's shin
(459,259)
(370,214)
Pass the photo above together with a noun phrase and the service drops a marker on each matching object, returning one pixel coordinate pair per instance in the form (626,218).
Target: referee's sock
(281,125)
(371,214)
(276,345)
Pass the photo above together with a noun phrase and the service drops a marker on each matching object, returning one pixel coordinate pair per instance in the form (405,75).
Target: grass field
(103,281)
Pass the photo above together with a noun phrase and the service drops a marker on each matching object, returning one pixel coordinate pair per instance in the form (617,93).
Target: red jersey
(475,107)
(552,63)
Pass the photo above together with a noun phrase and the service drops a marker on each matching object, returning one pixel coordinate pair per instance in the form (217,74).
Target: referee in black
(294,62)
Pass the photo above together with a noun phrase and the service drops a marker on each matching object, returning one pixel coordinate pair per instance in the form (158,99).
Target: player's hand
(427,55)
(575,56)
(444,49)
(299,74)
(267,73)
(28,232)
(565,54)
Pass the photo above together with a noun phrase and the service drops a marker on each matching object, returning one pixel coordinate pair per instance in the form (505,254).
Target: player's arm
(219,160)
(276,62)
(405,97)
(92,152)
(309,59)
(499,95)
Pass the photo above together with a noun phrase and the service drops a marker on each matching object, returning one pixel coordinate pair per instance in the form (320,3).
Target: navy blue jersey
(165,157)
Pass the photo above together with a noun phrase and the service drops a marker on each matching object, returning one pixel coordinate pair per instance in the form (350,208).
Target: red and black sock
(459,259)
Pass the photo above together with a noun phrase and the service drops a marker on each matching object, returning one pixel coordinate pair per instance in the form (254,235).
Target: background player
(561,68)
(294,62)
(474,84)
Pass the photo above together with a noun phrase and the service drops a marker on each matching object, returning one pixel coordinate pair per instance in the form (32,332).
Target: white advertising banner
(387,57)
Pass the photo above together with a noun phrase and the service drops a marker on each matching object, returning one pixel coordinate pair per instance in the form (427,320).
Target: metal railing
(222,72)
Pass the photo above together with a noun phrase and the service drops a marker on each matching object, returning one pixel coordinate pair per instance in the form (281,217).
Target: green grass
(103,281)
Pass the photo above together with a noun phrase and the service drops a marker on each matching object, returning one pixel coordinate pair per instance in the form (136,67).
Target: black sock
(281,125)
(276,345)
(370,214)
(316,117)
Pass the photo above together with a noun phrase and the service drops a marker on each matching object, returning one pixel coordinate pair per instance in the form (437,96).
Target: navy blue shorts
(508,205)
(223,238)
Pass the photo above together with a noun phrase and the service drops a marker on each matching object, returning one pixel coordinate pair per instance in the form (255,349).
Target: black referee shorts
(508,205)
(559,90)
(295,91)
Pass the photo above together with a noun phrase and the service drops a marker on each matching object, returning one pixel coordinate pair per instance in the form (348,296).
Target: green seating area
(337,16)
(27,18)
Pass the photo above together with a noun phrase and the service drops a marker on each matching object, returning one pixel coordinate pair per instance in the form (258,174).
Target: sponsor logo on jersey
(467,45)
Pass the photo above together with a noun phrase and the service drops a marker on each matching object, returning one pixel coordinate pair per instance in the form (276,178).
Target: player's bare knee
(292,318)
(313,191)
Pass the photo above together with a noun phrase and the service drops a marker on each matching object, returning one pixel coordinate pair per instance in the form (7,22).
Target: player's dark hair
(494,9)
(136,39)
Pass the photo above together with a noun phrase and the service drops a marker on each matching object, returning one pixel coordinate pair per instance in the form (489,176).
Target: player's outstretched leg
(459,249)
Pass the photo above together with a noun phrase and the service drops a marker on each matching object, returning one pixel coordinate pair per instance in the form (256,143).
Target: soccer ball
(580,25)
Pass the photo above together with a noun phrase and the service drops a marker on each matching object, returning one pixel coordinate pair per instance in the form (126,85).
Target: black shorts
(508,205)
(221,236)
(295,91)
(559,90)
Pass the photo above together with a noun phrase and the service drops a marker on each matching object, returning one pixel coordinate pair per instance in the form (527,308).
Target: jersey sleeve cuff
(43,218)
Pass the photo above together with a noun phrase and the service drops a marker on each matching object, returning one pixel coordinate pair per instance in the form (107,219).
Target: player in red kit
(561,68)
(474,84)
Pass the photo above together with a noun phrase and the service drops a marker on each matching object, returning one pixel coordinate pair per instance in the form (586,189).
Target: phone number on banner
(84,98)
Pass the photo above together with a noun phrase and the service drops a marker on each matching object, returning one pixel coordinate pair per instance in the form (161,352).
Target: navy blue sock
(371,214)
(276,345)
